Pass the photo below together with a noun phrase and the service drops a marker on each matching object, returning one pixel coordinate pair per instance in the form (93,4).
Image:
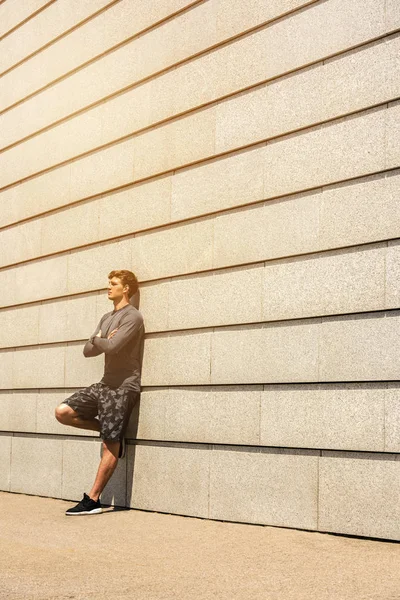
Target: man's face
(116,289)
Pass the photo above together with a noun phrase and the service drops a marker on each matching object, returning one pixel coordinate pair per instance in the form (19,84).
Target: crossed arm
(115,340)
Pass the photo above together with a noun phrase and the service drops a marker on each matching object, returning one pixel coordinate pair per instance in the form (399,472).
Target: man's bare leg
(106,468)
(68,416)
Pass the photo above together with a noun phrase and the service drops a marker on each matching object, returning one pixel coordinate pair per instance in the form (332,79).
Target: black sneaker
(122,448)
(86,506)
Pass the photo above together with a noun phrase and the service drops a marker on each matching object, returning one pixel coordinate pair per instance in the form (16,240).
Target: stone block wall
(242,158)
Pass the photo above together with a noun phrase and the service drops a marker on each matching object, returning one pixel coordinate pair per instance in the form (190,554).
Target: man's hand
(114,331)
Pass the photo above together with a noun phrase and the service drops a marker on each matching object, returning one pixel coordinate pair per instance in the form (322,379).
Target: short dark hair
(127,278)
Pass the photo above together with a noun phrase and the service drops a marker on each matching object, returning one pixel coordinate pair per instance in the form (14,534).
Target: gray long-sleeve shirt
(124,351)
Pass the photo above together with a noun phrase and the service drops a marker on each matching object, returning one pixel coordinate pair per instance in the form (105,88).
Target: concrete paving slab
(123,554)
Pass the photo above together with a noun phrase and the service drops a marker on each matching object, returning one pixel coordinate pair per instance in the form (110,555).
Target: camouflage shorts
(112,407)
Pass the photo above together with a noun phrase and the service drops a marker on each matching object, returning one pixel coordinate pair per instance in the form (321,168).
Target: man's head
(122,283)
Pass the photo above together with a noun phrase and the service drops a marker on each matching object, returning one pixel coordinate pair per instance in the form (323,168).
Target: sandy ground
(142,555)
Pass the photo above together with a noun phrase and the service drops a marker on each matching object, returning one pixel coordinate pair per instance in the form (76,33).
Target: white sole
(85,512)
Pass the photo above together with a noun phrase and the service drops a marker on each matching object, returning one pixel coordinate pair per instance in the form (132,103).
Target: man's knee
(64,413)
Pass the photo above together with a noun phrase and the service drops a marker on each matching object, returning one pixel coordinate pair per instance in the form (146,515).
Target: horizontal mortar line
(206,50)
(28,18)
(381,383)
(229,95)
(291,450)
(221,99)
(174,169)
(213,270)
(127,186)
(370,383)
(60,36)
(380,313)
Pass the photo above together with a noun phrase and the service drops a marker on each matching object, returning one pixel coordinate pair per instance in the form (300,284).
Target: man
(107,405)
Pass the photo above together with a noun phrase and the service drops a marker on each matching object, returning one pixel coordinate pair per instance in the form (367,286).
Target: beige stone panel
(210,415)
(36,465)
(126,18)
(219,184)
(361,78)
(349,280)
(235,17)
(70,227)
(360,347)
(171,479)
(103,170)
(5,457)
(61,320)
(6,369)
(154,305)
(19,326)
(81,371)
(7,282)
(20,243)
(13,13)
(125,113)
(71,319)
(392,418)
(37,195)
(392,15)
(39,367)
(139,207)
(219,298)
(342,417)
(88,268)
(81,316)
(270,353)
(18,411)
(46,422)
(177,359)
(41,279)
(175,144)
(44,28)
(393,135)
(80,462)
(349,83)
(52,147)
(392,288)
(362,211)
(324,29)
(358,494)
(263,232)
(263,487)
(151,417)
(53,321)
(6,404)
(348,148)
(174,250)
